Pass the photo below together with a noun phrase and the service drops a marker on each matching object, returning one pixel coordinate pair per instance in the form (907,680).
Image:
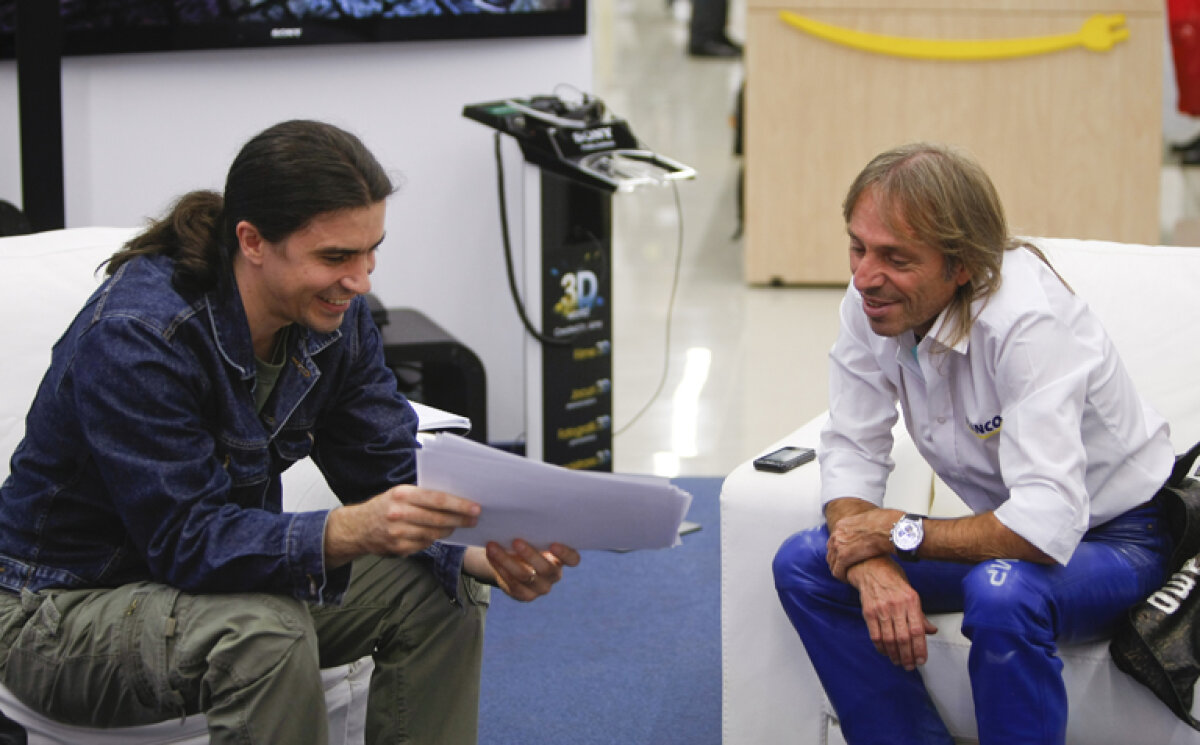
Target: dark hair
(279,182)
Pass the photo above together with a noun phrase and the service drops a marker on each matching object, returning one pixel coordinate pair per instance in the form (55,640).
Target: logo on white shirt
(986,429)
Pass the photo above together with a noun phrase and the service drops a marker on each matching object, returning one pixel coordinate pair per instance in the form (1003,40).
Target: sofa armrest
(769,690)
(758,511)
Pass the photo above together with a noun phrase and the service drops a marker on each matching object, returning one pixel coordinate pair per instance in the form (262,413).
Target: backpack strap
(1183,466)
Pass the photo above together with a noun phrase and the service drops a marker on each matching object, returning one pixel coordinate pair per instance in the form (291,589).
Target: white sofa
(1149,300)
(47,278)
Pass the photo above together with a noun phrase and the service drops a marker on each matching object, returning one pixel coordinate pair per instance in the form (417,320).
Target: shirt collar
(941,329)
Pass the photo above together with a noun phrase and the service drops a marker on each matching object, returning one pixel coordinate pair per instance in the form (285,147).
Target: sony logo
(286,33)
(592,135)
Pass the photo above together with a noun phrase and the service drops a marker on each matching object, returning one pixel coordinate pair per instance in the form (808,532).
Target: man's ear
(251,243)
(961,275)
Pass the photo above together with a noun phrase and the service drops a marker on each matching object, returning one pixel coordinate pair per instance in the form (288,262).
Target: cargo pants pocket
(97,658)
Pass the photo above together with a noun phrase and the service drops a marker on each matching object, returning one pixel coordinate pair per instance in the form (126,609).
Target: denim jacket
(144,457)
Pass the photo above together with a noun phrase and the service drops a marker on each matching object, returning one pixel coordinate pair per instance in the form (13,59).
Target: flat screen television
(118,26)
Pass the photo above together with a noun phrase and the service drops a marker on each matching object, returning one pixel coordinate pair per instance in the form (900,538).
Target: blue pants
(1015,613)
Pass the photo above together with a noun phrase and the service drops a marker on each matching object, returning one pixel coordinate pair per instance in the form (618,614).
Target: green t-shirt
(268,370)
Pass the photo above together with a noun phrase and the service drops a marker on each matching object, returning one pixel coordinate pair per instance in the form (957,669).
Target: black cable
(662,381)
(520,308)
(508,261)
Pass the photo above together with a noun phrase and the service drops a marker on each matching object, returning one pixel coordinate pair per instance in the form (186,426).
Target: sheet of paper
(544,504)
(430,419)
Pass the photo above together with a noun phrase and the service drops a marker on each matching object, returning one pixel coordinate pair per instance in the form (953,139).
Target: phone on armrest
(784,459)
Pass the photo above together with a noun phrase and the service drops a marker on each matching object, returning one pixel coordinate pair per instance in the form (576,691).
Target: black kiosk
(576,158)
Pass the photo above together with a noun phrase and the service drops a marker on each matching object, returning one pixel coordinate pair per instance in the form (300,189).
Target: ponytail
(191,235)
(281,180)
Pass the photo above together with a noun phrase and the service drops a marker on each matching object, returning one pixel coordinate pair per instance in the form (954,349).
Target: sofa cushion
(1146,298)
(1143,296)
(48,276)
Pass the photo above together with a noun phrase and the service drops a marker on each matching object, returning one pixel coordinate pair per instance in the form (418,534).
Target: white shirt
(1032,415)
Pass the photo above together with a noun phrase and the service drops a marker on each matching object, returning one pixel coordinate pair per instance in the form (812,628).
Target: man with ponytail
(1013,393)
(147,571)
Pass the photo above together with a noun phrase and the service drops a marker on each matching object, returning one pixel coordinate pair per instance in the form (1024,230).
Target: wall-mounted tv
(118,26)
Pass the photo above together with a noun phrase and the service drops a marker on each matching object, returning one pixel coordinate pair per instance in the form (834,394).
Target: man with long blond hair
(1014,394)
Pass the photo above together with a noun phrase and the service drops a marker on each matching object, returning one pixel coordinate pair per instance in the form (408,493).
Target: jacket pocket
(293,445)
(246,466)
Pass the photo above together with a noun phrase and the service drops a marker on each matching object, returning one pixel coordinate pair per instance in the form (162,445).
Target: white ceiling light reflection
(666,464)
(686,402)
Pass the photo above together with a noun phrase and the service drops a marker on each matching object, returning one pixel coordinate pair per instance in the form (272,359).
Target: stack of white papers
(546,504)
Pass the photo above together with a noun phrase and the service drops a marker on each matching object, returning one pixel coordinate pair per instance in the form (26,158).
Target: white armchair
(1148,300)
(47,278)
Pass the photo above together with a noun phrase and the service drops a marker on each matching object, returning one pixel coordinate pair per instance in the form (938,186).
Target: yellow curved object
(1098,33)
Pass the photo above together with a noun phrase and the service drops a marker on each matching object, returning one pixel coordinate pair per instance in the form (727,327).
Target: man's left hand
(892,610)
(523,573)
(859,537)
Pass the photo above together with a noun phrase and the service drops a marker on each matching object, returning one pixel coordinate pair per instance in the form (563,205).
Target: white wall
(139,130)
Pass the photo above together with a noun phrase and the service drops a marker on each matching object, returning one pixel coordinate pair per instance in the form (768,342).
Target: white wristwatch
(907,534)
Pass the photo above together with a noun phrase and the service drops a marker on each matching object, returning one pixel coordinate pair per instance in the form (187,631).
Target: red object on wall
(1184,17)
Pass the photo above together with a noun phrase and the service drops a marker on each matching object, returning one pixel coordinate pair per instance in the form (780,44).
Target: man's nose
(358,279)
(866,274)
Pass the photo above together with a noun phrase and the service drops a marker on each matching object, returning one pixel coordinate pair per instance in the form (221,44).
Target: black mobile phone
(784,459)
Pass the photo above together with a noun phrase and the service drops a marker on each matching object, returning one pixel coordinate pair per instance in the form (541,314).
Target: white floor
(746,365)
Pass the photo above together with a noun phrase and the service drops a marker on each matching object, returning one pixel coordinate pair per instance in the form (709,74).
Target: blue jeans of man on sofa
(1015,614)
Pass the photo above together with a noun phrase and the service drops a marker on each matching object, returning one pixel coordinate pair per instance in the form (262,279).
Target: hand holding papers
(545,504)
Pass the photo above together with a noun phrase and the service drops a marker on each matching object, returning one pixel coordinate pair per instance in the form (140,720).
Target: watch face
(907,534)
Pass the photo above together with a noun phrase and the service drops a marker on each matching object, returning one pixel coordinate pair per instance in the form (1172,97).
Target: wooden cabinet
(1072,138)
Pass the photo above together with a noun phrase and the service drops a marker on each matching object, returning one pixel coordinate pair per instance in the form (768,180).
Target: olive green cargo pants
(251,663)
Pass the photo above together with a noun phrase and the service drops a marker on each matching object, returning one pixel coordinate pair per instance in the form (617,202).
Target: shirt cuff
(446,563)
(1042,518)
(311,581)
(849,475)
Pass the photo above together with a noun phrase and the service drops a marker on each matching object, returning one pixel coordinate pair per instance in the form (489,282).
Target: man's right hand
(401,521)
(892,610)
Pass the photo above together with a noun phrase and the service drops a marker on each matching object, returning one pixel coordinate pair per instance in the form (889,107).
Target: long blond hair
(943,199)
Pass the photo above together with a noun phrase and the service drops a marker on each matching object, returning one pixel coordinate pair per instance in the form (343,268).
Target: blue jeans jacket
(144,457)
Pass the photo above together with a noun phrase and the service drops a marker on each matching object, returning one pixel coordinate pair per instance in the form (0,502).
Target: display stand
(569,386)
(576,159)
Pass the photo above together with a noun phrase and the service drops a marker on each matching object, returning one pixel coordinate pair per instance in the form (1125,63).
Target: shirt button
(941,420)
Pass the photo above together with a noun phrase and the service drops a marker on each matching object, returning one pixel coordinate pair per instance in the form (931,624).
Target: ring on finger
(532,577)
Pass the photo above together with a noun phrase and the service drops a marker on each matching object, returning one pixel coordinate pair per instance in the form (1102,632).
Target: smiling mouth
(874,305)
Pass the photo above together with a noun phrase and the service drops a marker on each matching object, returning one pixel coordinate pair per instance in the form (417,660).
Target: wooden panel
(1072,139)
